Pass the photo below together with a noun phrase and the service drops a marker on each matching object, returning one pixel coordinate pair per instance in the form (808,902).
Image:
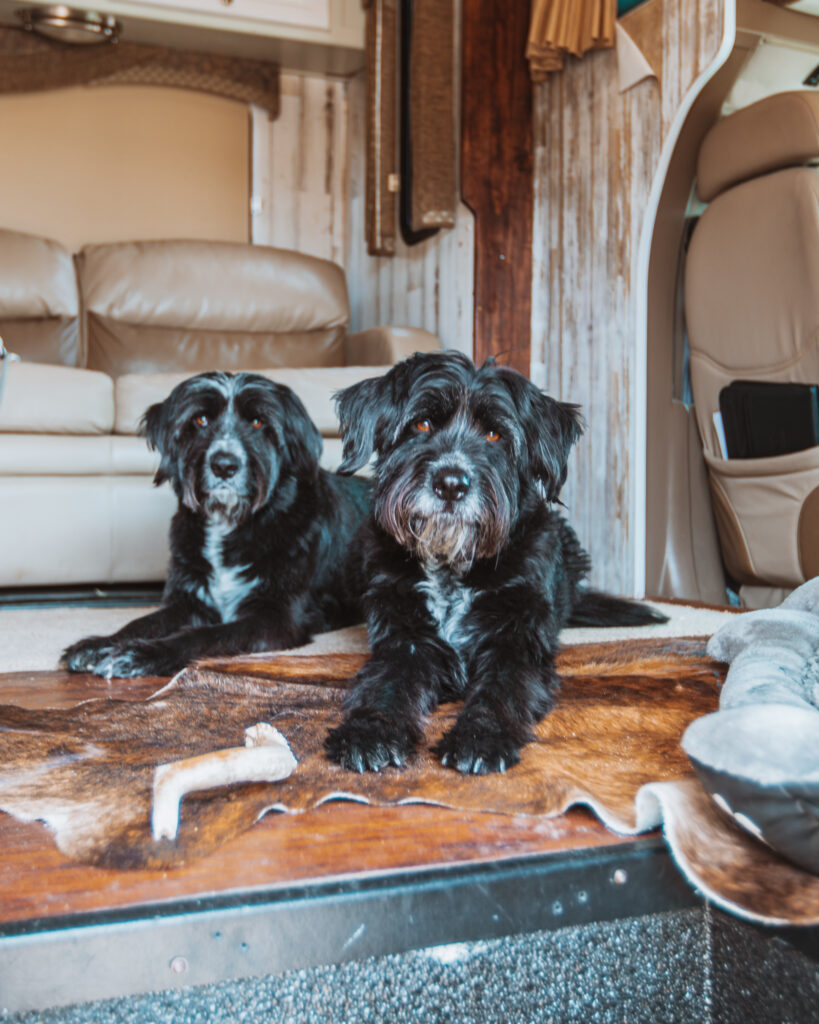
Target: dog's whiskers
(189,497)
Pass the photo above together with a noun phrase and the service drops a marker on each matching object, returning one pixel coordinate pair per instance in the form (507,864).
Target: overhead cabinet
(323,36)
(270,13)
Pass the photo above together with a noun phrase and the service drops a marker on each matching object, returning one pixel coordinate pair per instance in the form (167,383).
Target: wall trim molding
(639,424)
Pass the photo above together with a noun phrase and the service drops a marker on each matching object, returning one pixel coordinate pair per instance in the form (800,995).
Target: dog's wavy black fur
(261,544)
(471,574)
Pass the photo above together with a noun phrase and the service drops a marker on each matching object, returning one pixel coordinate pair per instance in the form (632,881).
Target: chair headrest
(779,131)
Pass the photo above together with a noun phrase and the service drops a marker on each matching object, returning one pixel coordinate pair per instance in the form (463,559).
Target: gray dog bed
(758,756)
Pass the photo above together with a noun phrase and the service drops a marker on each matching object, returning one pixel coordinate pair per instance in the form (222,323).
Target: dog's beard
(226,505)
(444,533)
(445,539)
(225,502)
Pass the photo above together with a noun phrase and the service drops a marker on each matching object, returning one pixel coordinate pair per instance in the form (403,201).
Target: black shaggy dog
(261,552)
(471,573)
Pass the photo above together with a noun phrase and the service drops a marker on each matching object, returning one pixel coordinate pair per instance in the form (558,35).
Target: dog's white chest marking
(226,586)
(448,602)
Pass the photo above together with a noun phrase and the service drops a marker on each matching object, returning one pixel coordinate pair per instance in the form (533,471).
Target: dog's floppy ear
(550,429)
(156,430)
(301,438)
(368,413)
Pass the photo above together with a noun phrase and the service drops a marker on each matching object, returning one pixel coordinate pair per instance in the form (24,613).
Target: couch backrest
(192,306)
(315,386)
(39,304)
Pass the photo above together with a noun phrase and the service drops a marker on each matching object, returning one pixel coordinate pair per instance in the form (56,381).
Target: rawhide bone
(265,757)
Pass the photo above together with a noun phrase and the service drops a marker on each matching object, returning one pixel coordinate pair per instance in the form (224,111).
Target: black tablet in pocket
(764,418)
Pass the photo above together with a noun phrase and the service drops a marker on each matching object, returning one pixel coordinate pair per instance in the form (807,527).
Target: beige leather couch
(105,333)
(752,312)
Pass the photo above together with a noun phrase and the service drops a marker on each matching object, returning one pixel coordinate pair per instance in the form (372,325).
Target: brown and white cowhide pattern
(87,770)
(731,868)
(612,742)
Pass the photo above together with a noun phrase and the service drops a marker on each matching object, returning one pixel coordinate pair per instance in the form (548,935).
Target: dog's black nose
(450,484)
(224,465)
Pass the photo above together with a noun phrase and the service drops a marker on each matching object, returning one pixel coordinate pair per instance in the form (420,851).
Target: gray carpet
(683,967)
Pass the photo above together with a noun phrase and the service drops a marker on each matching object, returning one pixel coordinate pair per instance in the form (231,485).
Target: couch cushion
(315,387)
(112,455)
(383,346)
(113,530)
(192,306)
(39,303)
(42,399)
(70,455)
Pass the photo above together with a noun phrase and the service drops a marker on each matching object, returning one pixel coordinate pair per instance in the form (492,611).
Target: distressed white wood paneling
(299,166)
(308,186)
(427,285)
(596,155)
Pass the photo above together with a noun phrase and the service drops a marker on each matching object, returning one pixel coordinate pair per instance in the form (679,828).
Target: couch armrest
(383,346)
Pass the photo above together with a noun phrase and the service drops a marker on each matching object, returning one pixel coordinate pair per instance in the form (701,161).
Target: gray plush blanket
(758,755)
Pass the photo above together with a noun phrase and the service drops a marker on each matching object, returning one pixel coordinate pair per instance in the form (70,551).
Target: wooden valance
(31,63)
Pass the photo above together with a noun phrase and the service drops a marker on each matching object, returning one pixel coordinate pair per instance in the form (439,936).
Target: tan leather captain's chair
(752,312)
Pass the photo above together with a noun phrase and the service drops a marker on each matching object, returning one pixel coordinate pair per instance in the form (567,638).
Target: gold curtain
(558,27)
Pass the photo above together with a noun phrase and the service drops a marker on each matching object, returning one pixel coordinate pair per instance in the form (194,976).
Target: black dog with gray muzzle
(261,544)
(470,573)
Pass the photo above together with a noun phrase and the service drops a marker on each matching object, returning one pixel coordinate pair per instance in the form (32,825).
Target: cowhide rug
(612,743)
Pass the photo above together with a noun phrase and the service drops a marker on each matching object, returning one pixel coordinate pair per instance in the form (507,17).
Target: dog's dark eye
(200,421)
(256,423)
(492,435)
(423,426)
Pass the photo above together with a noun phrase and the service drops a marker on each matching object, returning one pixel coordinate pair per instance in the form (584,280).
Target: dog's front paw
(88,655)
(368,743)
(478,747)
(142,658)
(103,656)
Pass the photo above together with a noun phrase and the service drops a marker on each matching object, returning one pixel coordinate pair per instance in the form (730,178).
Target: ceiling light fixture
(70,25)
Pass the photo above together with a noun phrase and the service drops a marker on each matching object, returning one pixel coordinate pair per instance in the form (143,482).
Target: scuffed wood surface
(334,841)
(596,153)
(63,689)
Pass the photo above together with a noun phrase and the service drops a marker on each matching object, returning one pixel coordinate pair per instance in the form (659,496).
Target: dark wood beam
(497,175)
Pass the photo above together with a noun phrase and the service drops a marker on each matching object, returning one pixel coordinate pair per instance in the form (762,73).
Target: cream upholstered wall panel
(124,162)
(596,155)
